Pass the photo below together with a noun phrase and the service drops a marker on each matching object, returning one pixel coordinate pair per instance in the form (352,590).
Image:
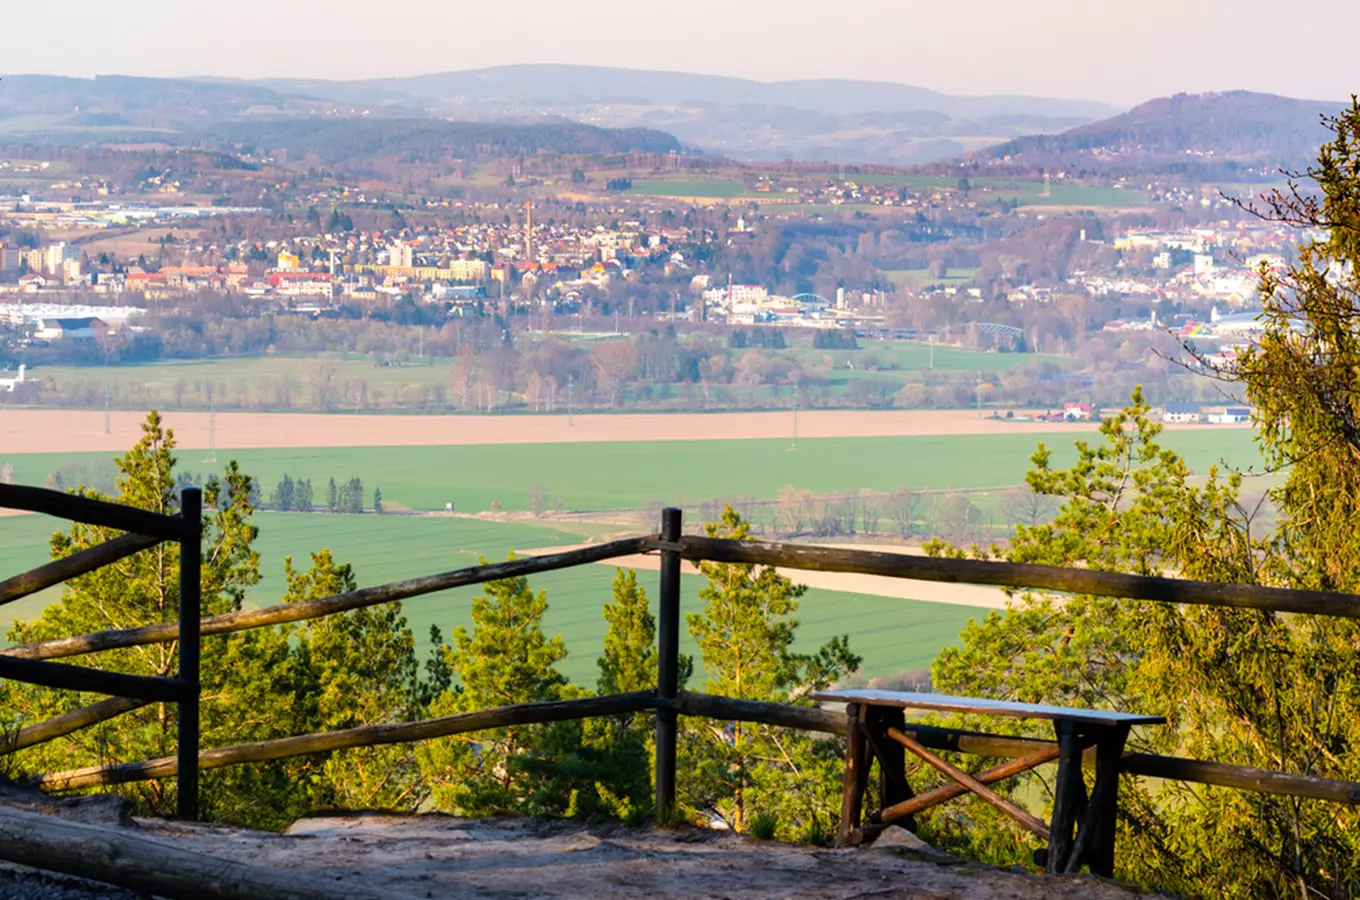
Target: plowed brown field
(70,431)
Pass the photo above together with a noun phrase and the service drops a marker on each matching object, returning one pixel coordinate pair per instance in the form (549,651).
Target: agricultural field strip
(74,431)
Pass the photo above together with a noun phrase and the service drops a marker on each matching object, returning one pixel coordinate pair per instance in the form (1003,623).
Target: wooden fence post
(190,569)
(668,663)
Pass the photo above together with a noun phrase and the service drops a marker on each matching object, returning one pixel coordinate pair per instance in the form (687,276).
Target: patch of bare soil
(439,856)
(70,431)
(379,855)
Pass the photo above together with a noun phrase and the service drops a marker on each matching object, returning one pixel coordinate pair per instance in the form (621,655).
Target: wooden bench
(1083,828)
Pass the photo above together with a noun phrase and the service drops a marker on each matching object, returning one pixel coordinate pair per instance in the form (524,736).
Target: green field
(417,384)
(632,475)
(184,383)
(891,634)
(920,278)
(719,190)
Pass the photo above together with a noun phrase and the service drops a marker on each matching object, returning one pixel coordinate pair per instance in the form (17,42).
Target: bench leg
(1067,797)
(893,787)
(856,779)
(1096,839)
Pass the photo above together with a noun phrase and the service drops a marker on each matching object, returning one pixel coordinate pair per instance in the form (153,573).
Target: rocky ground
(441,856)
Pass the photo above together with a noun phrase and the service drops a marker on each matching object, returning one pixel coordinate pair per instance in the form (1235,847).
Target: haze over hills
(834,120)
(815,119)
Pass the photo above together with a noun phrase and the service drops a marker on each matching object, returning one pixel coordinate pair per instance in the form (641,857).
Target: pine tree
(746,634)
(504,659)
(332,497)
(353,669)
(629,660)
(302,495)
(282,498)
(144,589)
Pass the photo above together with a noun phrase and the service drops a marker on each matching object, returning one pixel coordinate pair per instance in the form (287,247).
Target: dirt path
(71,431)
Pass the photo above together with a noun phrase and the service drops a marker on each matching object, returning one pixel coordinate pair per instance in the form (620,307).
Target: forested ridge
(1239,126)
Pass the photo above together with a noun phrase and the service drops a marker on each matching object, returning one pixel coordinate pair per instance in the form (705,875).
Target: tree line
(295,495)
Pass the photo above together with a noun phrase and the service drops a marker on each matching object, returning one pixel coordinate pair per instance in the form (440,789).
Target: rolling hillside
(1238,127)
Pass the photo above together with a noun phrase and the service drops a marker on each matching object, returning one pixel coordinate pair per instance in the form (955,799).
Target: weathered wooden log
(90,511)
(806,718)
(130,860)
(247,619)
(73,721)
(80,678)
(78,563)
(922,802)
(1243,778)
(989,796)
(365,736)
(1021,575)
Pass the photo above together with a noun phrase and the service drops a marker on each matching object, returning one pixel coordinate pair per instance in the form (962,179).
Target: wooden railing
(143,531)
(30,661)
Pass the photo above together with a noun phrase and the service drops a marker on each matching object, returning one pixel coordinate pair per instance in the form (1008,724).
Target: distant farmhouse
(1182,412)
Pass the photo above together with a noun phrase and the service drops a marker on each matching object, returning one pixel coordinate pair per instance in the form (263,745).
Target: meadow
(891,634)
(704,190)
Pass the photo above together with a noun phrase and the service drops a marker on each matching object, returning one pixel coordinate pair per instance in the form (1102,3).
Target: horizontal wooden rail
(365,736)
(313,609)
(79,678)
(90,511)
(689,703)
(1020,575)
(79,563)
(71,722)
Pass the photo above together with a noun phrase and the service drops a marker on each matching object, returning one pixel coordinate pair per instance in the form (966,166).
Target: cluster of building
(29,211)
(753,304)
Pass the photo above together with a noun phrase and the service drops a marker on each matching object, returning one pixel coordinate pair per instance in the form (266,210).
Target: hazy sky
(1118,52)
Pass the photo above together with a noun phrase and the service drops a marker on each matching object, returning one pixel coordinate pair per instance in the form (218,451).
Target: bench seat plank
(947,703)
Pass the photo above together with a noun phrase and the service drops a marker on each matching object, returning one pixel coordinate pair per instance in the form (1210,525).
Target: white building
(400,254)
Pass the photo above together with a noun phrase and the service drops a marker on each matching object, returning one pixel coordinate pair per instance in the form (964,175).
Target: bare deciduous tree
(324,376)
(904,508)
(1022,506)
(615,362)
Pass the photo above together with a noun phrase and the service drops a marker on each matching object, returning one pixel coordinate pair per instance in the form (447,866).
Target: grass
(163,382)
(632,475)
(722,190)
(914,355)
(183,384)
(891,634)
(920,278)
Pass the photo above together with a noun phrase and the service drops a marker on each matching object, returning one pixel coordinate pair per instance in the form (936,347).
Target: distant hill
(30,103)
(426,140)
(1239,127)
(568,85)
